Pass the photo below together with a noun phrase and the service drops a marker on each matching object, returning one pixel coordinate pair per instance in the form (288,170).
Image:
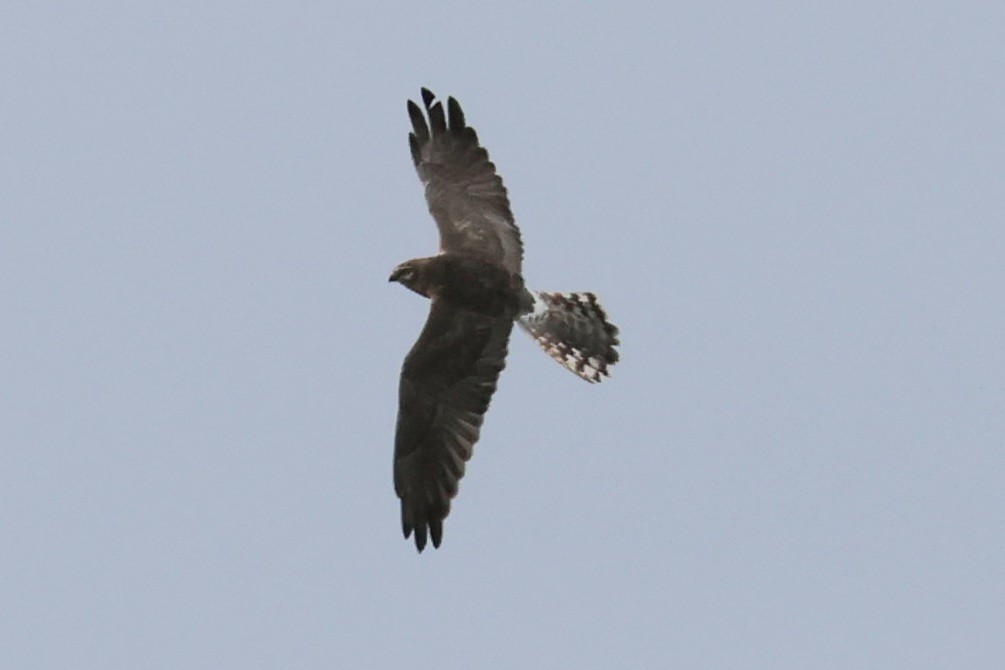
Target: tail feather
(574,330)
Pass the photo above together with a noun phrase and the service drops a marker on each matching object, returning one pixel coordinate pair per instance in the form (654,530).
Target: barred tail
(574,330)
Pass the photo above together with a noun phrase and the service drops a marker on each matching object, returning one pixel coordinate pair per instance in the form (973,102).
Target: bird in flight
(476,288)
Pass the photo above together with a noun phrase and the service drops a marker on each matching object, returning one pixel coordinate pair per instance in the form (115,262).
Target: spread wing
(447,381)
(465,195)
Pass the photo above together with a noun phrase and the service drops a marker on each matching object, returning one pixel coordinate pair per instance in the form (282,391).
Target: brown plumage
(477,293)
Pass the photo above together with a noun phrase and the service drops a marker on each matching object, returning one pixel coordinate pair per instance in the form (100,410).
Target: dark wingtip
(455,114)
(437,119)
(427,97)
(407,528)
(413,147)
(419,127)
(436,530)
(420,538)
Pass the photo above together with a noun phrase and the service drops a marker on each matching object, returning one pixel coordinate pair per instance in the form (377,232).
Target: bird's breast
(480,287)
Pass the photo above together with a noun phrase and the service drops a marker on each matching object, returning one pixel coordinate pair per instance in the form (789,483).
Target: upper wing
(447,381)
(465,195)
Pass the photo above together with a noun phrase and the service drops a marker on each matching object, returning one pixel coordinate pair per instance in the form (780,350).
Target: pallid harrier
(477,293)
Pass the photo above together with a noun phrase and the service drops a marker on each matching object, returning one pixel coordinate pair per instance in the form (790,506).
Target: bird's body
(471,284)
(477,292)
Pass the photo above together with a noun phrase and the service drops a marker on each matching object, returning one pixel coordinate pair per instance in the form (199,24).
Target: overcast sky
(794,212)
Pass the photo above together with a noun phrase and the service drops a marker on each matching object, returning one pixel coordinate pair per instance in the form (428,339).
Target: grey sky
(793,212)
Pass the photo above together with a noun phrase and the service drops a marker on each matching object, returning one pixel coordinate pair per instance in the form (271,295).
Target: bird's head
(403,273)
(407,274)
(420,275)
